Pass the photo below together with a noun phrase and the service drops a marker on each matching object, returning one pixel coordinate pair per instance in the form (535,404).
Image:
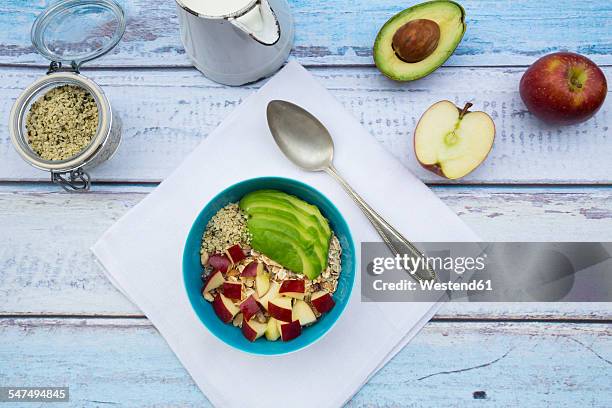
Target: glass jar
(69,33)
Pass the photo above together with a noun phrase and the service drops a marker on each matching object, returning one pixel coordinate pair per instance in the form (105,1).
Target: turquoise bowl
(192,269)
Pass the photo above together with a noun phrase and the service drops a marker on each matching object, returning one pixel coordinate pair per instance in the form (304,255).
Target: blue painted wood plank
(342,32)
(46,266)
(166,113)
(125,361)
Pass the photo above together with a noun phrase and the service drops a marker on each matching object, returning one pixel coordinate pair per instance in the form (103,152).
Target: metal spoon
(308,144)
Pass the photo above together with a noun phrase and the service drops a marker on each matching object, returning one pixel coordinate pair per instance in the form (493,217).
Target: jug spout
(260,23)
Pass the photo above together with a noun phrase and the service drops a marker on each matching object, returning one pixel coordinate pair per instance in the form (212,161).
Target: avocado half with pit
(416,41)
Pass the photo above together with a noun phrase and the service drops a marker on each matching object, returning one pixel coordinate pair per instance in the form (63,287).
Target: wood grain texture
(342,32)
(46,267)
(166,113)
(112,361)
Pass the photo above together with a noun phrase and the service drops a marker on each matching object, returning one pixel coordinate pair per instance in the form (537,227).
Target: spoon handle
(392,238)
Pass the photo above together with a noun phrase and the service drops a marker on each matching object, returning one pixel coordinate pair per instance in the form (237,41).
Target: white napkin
(142,253)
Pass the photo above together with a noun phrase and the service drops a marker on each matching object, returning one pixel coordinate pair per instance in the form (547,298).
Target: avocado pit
(416,40)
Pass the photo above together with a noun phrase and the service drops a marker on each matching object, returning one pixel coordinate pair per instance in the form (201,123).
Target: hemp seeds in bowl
(271,265)
(62,122)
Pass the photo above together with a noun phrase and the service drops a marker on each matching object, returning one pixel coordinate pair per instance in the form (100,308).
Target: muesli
(271,265)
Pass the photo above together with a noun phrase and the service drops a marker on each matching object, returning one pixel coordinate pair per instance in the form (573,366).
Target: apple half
(451,141)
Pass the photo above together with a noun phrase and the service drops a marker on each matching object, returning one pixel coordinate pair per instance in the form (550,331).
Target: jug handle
(260,23)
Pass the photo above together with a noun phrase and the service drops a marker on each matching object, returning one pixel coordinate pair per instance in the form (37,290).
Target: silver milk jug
(235,42)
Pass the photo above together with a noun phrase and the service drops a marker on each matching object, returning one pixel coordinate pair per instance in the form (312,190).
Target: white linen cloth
(142,253)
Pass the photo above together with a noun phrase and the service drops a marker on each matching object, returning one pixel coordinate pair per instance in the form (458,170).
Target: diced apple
(224,308)
(252,270)
(303,313)
(249,307)
(219,262)
(293,288)
(213,281)
(262,283)
(294,295)
(272,330)
(232,290)
(322,301)
(235,253)
(280,308)
(272,293)
(290,331)
(292,285)
(252,329)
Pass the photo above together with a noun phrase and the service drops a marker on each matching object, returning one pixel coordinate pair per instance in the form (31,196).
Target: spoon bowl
(300,136)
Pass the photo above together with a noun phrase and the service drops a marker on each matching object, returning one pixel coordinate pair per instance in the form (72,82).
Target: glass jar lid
(76,31)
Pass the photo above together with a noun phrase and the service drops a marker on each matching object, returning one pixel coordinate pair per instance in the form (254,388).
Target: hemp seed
(62,122)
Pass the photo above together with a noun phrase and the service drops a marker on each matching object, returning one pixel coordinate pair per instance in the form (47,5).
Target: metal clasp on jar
(78,180)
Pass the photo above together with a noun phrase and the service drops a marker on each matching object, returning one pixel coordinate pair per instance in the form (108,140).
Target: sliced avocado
(279,222)
(251,203)
(270,223)
(301,205)
(284,249)
(415,30)
(291,221)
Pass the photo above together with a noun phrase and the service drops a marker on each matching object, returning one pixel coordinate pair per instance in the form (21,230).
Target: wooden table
(63,323)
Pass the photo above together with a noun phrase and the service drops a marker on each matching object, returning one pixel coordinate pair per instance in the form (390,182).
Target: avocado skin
(392,66)
(288,230)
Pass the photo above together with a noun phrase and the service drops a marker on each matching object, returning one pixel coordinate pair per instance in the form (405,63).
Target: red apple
(322,301)
(303,313)
(224,308)
(280,308)
(252,269)
(219,262)
(290,331)
(235,253)
(213,281)
(232,290)
(563,88)
(253,330)
(249,307)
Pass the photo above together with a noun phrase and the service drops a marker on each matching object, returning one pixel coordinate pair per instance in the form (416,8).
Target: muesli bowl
(196,275)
